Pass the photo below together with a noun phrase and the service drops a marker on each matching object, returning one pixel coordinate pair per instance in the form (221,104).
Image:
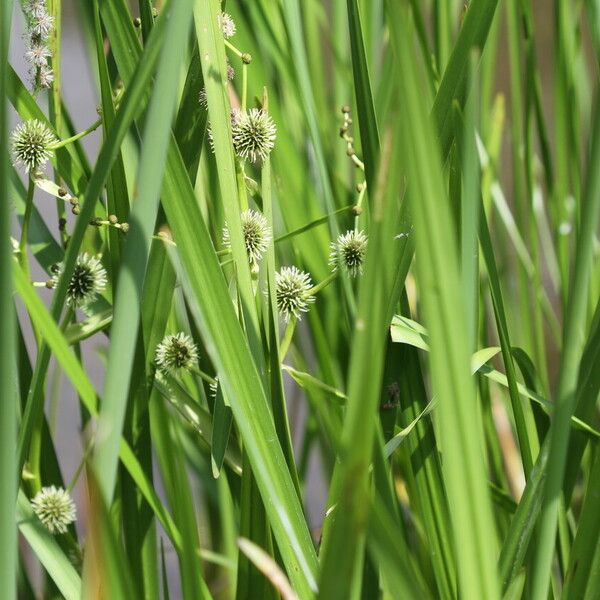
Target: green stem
(315,223)
(35,446)
(358,207)
(237,52)
(77,136)
(203,375)
(287,338)
(23,257)
(82,463)
(241,185)
(244,86)
(317,288)
(55,103)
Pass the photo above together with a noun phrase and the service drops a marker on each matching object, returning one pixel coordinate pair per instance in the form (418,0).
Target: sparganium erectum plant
(288,367)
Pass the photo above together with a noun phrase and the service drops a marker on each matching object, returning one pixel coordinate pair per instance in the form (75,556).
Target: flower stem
(287,338)
(359,201)
(77,136)
(240,174)
(54,100)
(237,52)
(244,86)
(35,446)
(23,257)
(204,376)
(317,288)
(315,223)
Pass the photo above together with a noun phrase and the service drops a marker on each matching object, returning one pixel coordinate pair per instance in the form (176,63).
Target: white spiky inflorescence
(227,25)
(257,235)
(54,508)
(349,251)
(293,292)
(253,134)
(40,25)
(31,143)
(176,352)
(88,280)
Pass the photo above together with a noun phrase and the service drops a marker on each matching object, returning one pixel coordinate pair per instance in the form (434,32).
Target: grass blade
(573,340)
(346,527)
(135,255)
(460,429)
(8,390)
(369,133)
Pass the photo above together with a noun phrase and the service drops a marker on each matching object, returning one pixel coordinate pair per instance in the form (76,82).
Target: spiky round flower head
(42,23)
(293,292)
(349,250)
(87,281)
(37,54)
(254,135)
(31,143)
(227,25)
(176,352)
(257,235)
(54,508)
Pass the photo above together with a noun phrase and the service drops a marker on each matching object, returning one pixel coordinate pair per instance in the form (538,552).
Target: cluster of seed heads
(72,200)
(253,133)
(176,352)
(40,24)
(54,508)
(257,235)
(88,280)
(31,143)
(345,135)
(112,221)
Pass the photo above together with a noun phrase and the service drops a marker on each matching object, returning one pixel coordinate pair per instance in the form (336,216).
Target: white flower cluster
(54,508)
(40,24)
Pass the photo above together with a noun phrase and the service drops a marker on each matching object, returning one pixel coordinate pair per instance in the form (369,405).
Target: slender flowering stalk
(88,280)
(54,508)
(293,292)
(40,24)
(253,134)
(31,143)
(349,251)
(176,352)
(257,235)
